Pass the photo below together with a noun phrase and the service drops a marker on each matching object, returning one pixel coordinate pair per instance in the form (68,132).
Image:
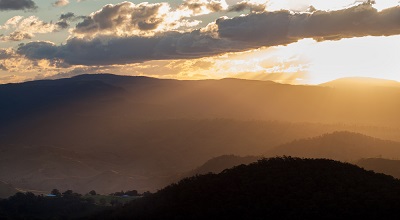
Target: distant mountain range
(361,82)
(108,132)
(343,146)
(218,164)
(141,98)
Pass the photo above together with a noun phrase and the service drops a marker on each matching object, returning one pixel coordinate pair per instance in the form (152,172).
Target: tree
(119,193)
(55,192)
(92,193)
(132,193)
(147,193)
(68,193)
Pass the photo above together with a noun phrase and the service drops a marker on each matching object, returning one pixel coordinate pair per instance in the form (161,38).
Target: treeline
(62,205)
(31,206)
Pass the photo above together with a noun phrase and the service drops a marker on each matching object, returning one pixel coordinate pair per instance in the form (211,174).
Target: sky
(287,41)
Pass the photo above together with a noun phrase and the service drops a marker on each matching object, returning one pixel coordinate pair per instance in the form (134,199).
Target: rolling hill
(312,188)
(143,156)
(343,146)
(140,98)
(104,131)
(361,82)
(218,164)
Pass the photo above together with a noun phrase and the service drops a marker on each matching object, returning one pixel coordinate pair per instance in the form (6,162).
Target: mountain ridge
(361,82)
(339,145)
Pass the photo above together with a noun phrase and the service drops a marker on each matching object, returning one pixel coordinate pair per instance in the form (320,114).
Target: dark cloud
(267,29)
(67,16)
(66,19)
(8,5)
(283,27)
(197,6)
(2,67)
(62,24)
(236,34)
(103,51)
(38,50)
(6,54)
(244,5)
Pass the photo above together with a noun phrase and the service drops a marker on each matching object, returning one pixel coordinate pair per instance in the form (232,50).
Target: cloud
(6,54)
(17,36)
(26,28)
(60,3)
(199,7)
(243,5)
(21,28)
(8,5)
(283,27)
(105,51)
(67,16)
(11,23)
(24,68)
(65,20)
(236,34)
(144,19)
(123,17)
(2,67)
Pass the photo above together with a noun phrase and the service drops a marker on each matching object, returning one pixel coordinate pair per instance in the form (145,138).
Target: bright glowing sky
(134,38)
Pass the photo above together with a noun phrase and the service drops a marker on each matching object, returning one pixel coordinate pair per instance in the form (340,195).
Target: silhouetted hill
(380,165)
(344,146)
(278,188)
(6,190)
(361,82)
(218,164)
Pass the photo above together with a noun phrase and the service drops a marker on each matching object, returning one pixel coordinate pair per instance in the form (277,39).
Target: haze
(120,109)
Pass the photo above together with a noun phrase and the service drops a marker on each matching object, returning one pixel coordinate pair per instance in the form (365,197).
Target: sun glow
(368,57)
(304,62)
(320,62)
(311,62)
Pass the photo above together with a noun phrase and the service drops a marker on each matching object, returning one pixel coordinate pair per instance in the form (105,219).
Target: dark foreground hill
(273,188)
